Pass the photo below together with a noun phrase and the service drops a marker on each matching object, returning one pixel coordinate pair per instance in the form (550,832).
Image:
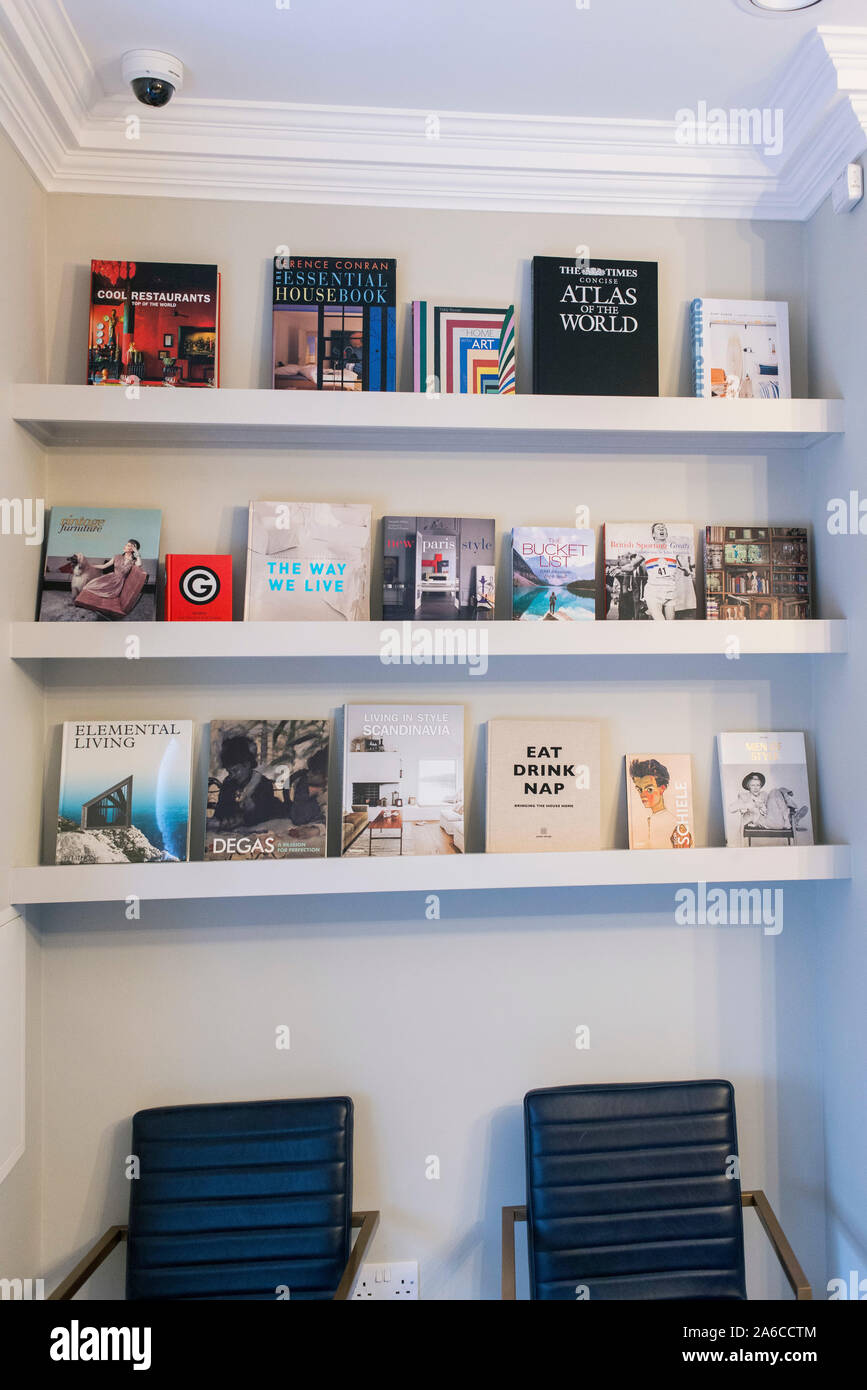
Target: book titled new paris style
(765,790)
(438,567)
(124,792)
(553,573)
(659,800)
(543,785)
(595,327)
(308,560)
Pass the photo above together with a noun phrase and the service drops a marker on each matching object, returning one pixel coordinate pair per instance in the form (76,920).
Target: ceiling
(567,105)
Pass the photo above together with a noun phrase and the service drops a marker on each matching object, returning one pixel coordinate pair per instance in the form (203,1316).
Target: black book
(595,327)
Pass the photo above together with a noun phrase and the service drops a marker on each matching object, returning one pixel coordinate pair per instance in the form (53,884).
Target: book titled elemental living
(308,560)
(595,327)
(403,780)
(553,573)
(267,789)
(124,792)
(659,800)
(334,323)
(543,788)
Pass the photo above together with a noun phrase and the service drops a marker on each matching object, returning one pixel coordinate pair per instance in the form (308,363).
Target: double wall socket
(388,1281)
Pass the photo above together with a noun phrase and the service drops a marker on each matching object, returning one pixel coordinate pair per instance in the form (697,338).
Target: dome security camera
(154,77)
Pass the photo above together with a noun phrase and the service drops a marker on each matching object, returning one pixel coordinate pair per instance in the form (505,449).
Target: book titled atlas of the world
(154,323)
(741,349)
(595,327)
(403,780)
(267,789)
(124,792)
(438,567)
(649,571)
(100,565)
(659,801)
(760,572)
(463,351)
(543,786)
(553,573)
(334,323)
(765,789)
(308,560)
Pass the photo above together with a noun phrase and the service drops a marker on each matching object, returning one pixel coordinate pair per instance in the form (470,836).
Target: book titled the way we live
(334,323)
(308,561)
(543,786)
(595,327)
(267,789)
(124,792)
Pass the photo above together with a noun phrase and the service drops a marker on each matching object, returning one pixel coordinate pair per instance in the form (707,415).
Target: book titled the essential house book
(124,792)
(543,786)
(334,323)
(595,327)
(155,323)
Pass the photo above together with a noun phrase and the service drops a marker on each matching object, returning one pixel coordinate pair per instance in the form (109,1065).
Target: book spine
(698,347)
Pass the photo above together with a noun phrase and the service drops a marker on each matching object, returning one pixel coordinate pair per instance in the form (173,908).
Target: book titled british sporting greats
(595,327)
(765,790)
(124,792)
(659,800)
(553,573)
(267,789)
(308,560)
(543,786)
(438,567)
(649,570)
(403,780)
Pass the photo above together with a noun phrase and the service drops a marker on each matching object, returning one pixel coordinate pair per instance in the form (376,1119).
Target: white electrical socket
(396,1281)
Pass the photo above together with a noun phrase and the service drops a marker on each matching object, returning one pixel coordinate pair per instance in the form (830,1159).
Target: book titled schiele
(760,572)
(553,573)
(659,800)
(741,349)
(438,567)
(403,780)
(334,323)
(154,323)
(124,792)
(595,327)
(267,789)
(765,790)
(542,786)
(308,560)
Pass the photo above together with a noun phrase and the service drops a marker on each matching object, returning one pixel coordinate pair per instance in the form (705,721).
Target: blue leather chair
(633,1192)
(239,1201)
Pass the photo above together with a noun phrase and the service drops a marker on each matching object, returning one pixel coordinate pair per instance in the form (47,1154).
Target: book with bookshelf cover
(649,571)
(765,789)
(543,786)
(403,780)
(758,572)
(334,323)
(308,560)
(154,323)
(741,349)
(553,573)
(438,567)
(101,563)
(124,792)
(463,351)
(267,789)
(595,327)
(659,801)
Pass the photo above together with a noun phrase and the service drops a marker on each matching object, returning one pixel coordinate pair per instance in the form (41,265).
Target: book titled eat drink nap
(543,785)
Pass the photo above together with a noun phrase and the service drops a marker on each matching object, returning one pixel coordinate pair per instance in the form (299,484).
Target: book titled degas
(543,789)
(595,327)
(267,789)
(553,573)
(403,780)
(308,560)
(124,792)
(659,801)
(765,790)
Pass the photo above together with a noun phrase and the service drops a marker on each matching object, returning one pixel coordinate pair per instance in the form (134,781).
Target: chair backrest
(628,1193)
(240,1201)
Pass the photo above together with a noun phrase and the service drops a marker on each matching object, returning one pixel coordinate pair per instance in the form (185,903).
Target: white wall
(22,358)
(436,1028)
(836,248)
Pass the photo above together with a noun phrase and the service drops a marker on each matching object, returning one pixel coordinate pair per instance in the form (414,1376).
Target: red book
(198,588)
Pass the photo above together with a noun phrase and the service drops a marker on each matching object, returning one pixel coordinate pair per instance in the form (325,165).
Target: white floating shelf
(424,874)
(300,641)
(91,416)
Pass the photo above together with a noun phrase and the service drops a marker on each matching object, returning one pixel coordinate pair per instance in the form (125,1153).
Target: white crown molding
(77,140)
